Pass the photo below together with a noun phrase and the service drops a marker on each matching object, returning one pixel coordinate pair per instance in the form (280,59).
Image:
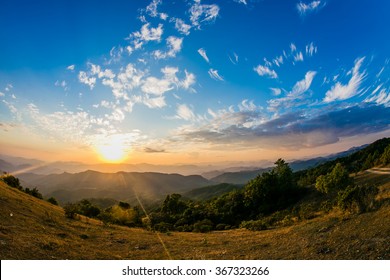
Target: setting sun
(112,153)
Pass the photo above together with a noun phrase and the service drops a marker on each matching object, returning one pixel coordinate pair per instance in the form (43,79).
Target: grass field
(34,229)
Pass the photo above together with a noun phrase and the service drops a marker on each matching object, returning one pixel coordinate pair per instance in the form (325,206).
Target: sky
(192,81)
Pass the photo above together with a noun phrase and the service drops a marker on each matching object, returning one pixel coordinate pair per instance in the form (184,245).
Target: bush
(203,226)
(34,192)
(357,199)
(163,227)
(337,179)
(71,210)
(11,181)
(52,200)
(254,225)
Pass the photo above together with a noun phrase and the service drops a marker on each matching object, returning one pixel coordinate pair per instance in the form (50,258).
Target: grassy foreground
(34,229)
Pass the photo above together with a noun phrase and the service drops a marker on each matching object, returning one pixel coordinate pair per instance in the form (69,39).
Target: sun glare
(112,153)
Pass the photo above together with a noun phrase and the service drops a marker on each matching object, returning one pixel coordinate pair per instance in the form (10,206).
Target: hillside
(210,192)
(34,229)
(67,187)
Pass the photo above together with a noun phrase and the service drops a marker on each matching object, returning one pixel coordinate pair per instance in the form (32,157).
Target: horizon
(192,82)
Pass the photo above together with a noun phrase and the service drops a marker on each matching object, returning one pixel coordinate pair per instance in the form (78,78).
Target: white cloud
(155,102)
(295,97)
(265,71)
(293,48)
(276,91)
(298,57)
(182,27)
(304,9)
(203,13)
(151,9)
(147,34)
(85,79)
(342,92)
(174,45)
(155,86)
(185,113)
(235,60)
(71,67)
(241,2)
(2,94)
(203,54)
(303,85)
(188,81)
(311,49)
(215,75)
(382,98)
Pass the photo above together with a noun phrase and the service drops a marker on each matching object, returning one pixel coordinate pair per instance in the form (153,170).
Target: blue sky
(192,81)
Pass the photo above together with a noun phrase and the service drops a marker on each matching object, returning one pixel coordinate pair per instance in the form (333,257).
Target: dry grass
(34,229)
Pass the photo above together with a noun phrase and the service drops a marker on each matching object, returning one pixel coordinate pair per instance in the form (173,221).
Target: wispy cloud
(182,27)
(203,13)
(86,79)
(298,57)
(174,45)
(146,34)
(382,98)
(241,2)
(265,71)
(185,113)
(203,54)
(215,75)
(294,130)
(276,91)
(352,88)
(311,49)
(233,60)
(71,67)
(295,97)
(304,9)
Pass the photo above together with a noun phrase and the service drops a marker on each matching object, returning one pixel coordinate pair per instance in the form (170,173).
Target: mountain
(209,192)
(67,187)
(241,177)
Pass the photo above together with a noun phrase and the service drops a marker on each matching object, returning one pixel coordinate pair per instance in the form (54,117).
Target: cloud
(203,54)
(174,45)
(298,57)
(86,79)
(188,81)
(200,13)
(71,67)
(382,98)
(215,75)
(151,9)
(153,151)
(265,71)
(276,91)
(183,112)
(311,49)
(155,86)
(146,34)
(182,27)
(241,2)
(304,9)
(295,130)
(2,94)
(303,85)
(343,92)
(295,97)
(235,60)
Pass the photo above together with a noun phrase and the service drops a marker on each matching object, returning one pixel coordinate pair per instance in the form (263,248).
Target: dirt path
(383,170)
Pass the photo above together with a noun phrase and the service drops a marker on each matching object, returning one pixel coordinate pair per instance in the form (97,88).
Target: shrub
(52,200)
(357,199)
(254,225)
(11,181)
(71,210)
(203,226)
(163,227)
(34,192)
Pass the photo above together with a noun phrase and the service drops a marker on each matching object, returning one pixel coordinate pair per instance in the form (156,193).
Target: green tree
(337,179)
(11,181)
(173,205)
(385,158)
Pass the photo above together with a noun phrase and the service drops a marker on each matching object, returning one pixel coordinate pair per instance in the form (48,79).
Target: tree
(337,179)
(173,205)
(385,158)
(12,181)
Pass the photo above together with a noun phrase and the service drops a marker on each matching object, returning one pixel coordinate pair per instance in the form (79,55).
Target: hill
(67,187)
(210,192)
(34,229)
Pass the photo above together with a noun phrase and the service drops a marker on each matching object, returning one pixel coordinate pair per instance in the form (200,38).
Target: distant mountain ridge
(67,187)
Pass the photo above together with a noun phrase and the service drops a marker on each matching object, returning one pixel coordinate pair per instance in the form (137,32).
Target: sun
(112,153)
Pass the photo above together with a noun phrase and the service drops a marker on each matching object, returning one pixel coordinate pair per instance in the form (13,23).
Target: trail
(382,170)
